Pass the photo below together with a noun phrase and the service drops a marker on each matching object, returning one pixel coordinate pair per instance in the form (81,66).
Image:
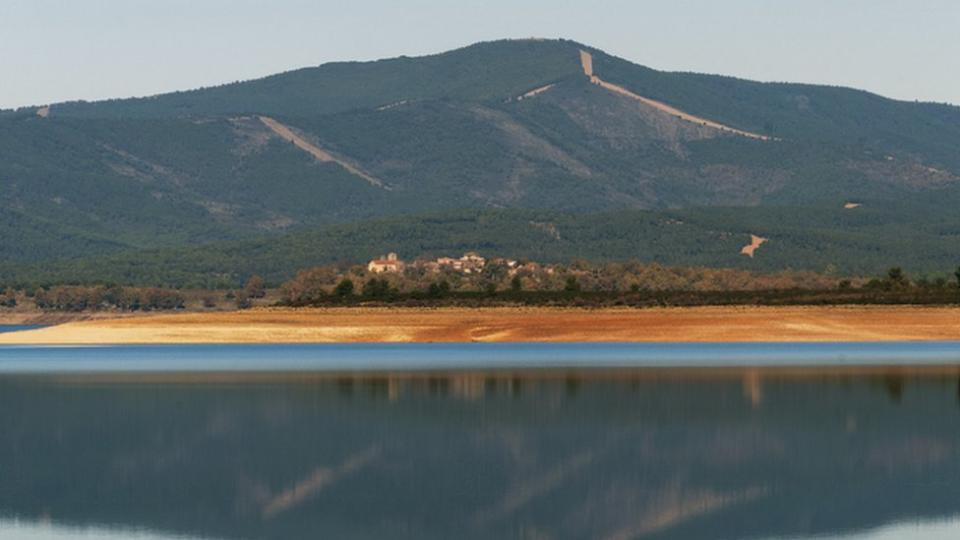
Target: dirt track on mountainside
(320,154)
(586,61)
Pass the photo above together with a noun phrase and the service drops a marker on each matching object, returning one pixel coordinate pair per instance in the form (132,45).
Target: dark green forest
(834,242)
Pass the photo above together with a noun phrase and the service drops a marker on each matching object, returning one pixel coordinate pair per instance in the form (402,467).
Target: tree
(376,288)
(158,299)
(896,279)
(438,289)
(957,273)
(9,299)
(255,287)
(344,288)
(516,284)
(572,284)
(309,285)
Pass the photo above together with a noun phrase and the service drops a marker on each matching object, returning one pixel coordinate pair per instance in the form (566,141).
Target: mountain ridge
(504,125)
(336,63)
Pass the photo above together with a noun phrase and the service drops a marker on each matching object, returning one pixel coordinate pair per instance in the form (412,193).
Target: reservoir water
(360,358)
(18,327)
(465,441)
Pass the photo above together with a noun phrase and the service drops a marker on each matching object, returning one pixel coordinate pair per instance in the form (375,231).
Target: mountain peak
(551,128)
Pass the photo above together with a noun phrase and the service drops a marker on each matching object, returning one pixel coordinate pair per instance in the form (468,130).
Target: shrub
(255,287)
(438,289)
(309,285)
(344,288)
(376,288)
(572,284)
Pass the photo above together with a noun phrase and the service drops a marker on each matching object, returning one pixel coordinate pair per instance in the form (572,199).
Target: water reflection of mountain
(477,458)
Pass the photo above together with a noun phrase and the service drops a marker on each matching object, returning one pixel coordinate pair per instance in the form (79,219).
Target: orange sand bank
(274,325)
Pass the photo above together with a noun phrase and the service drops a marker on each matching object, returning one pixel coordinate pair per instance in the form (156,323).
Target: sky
(58,50)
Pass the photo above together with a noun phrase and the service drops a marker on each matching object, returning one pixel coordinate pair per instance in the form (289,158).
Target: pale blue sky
(55,50)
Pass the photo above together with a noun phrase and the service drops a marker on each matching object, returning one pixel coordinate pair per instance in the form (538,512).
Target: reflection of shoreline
(391,325)
(474,386)
(472,378)
(45,530)
(470,455)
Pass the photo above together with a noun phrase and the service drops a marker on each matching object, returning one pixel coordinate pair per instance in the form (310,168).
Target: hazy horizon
(58,51)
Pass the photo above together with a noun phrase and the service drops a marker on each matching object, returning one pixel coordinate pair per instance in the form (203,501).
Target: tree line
(66,298)
(580,283)
(613,282)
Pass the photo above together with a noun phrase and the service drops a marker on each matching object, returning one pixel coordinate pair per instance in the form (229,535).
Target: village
(474,272)
(470,263)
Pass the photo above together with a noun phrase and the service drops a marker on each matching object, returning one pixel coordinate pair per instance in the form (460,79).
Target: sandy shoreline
(355,325)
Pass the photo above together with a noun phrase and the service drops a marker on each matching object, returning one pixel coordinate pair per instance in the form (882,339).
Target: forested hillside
(350,159)
(834,242)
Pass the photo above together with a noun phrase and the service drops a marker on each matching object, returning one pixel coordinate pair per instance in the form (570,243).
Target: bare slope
(750,250)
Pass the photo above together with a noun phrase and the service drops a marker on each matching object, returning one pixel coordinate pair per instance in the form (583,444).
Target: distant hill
(506,128)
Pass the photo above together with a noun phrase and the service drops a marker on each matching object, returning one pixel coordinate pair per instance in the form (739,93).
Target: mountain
(516,129)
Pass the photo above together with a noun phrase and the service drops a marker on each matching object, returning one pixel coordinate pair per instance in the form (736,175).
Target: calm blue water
(480,441)
(470,356)
(18,327)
